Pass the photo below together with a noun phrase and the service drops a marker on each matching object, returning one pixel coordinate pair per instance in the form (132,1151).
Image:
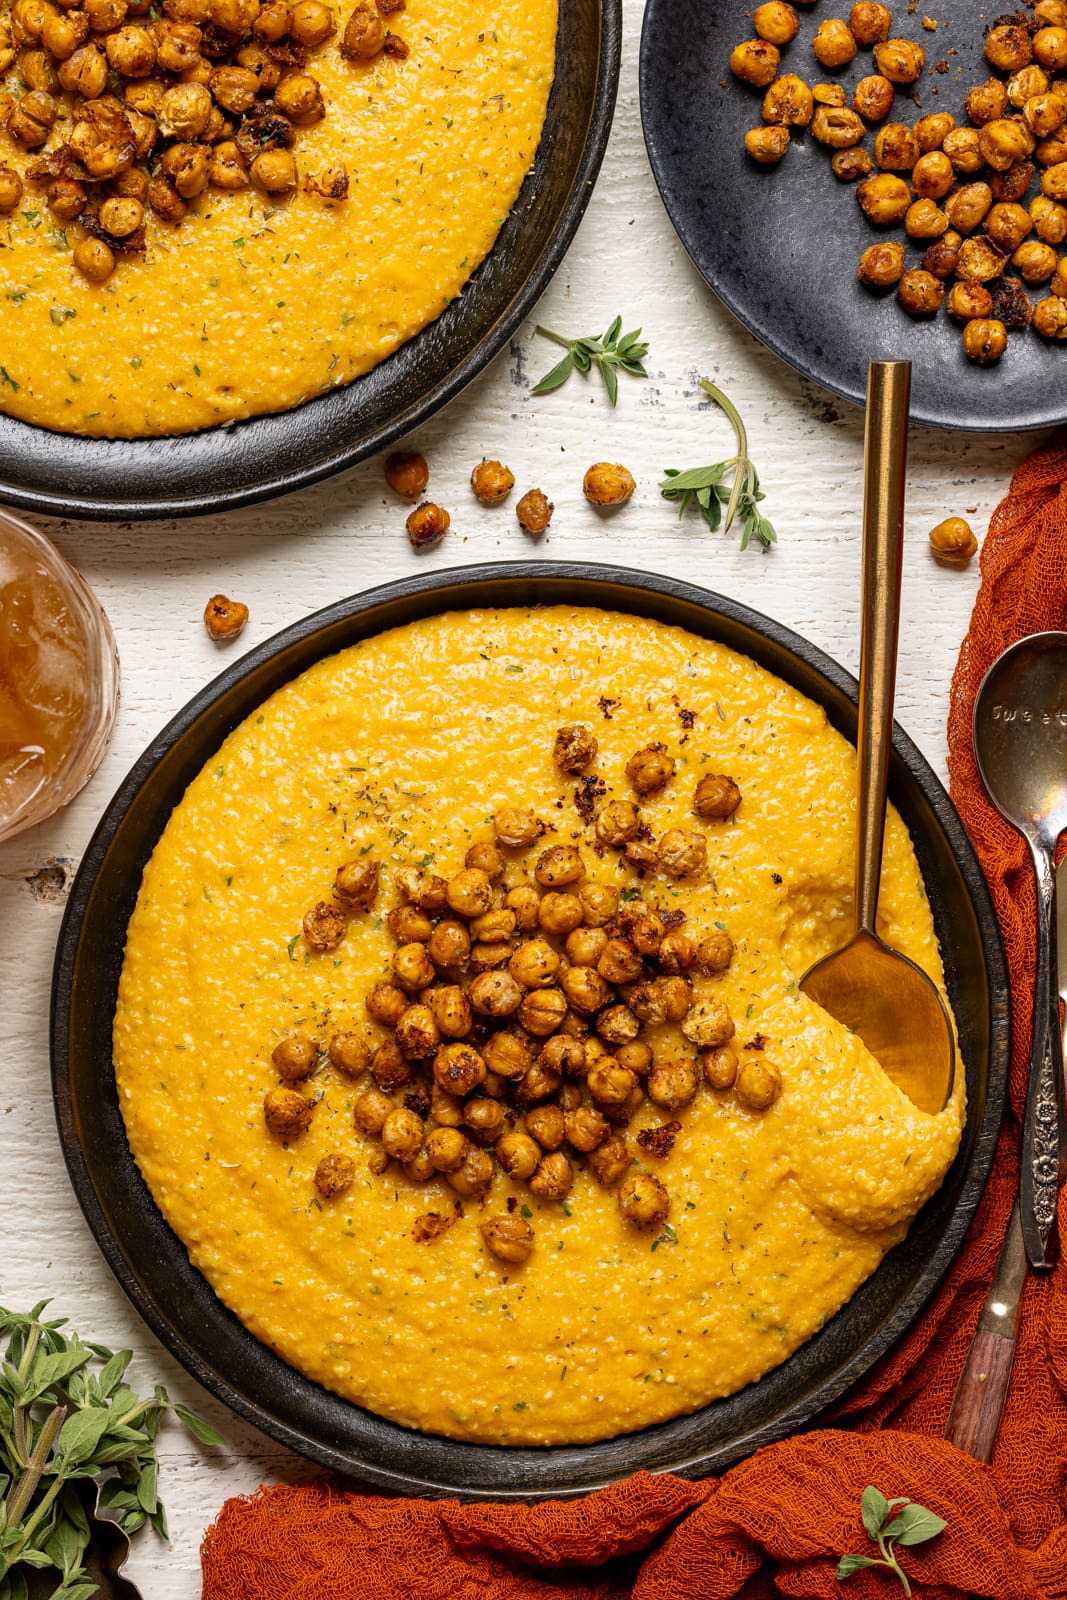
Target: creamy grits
(406,745)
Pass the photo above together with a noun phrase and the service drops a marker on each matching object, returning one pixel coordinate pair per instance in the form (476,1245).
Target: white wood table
(287,559)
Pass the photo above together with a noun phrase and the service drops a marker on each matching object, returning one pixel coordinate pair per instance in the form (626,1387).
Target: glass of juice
(59,678)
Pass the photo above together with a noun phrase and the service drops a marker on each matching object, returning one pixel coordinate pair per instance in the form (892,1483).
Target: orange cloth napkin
(776,1523)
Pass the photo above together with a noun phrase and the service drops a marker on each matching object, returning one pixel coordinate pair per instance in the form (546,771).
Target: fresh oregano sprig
(66,1414)
(706,485)
(890,1523)
(611,352)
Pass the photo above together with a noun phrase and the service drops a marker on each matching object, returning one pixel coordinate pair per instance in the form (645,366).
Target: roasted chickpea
(121,217)
(672,1084)
(1051,13)
(295,1058)
(131,52)
(1050,320)
(617,1025)
(1007,47)
(495,994)
(535,965)
(1054,181)
(964,151)
(600,902)
(546,1125)
(767,146)
(953,540)
(370,1111)
(494,925)
(1003,142)
(607,483)
(273,171)
(837,127)
(980,260)
(559,866)
(509,1237)
(1036,261)
(524,903)
(470,892)
(881,265)
(850,165)
(1050,48)
(312,23)
(776,21)
(518,1155)
(873,97)
(884,198)
(485,857)
(925,220)
(1049,219)
(759,1083)
(542,1011)
(534,511)
(485,1119)
(560,913)
(475,1176)
(833,44)
(104,16)
(186,165)
(616,823)
(869,23)
(417,1033)
(932,130)
(968,208)
(829,94)
(492,482)
(390,1067)
(407,474)
(896,148)
(553,1178)
(564,1056)
(899,60)
(273,22)
(708,1024)
(620,962)
(920,293)
(412,967)
(650,769)
(932,176)
(1008,226)
(334,1174)
(266,69)
(364,34)
(387,1004)
(427,524)
(458,1069)
(287,1113)
(447,1149)
(789,102)
(609,1161)
(714,952)
(356,883)
(349,1054)
(62,34)
(755,62)
(644,1201)
(586,1128)
(985,341)
(608,1083)
(507,1054)
(445,1109)
(38,71)
(720,1066)
(32,121)
(11,190)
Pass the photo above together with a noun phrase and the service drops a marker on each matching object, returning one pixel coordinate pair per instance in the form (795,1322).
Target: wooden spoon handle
(978,1403)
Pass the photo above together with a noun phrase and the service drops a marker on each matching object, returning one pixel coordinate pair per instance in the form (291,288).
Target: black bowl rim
(762,329)
(601,115)
(795,1415)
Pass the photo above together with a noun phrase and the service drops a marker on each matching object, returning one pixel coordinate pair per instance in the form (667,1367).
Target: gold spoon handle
(885,460)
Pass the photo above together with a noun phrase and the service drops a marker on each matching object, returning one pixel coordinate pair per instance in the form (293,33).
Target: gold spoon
(882,996)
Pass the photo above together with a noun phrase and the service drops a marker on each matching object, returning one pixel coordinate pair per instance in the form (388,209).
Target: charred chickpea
(390,1067)
(720,1066)
(559,866)
(953,540)
(850,165)
(789,102)
(534,511)
(932,176)
(869,23)
(980,260)
(759,1083)
(1008,48)
(356,883)
(266,69)
(767,146)
(873,97)
(925,220)
(985,341)
(553,1178)
(564,1055)
(755,62)
(963,149)
(617,1025)
(11,190)
(312,23)
(969,206)
(370,1111)
(1035,261)
(643,926)
(495,994)
(644,1201)
(608,483)
(672,1084)
(186,165)
(287,1113)
(417,1033)
(837,127)
(535,965)
(574,748)
(881,265)
(932,130)
(620,962)
(833,44)
(349,1054)
(1044,115)
(542,1011)
(458,1069)
(920,293)
(586,1128)
(600,902)
(776,21)
(1049,219)
(334,1174)
(475,1176)
(412,967)
(896,148)
(121,217)
(546,1125)
(508,1237)
(428,523)
(899,60)
(492,482)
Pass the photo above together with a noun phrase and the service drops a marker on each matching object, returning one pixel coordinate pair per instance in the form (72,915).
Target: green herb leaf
(915,1525)
(611,352)
(198,1427)
(705,487)
(874,1509)
(850,1564)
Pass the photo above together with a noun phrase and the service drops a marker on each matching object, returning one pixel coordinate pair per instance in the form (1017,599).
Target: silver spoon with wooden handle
(877,992)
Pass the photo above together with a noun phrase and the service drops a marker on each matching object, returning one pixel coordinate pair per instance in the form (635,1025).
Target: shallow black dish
(151,1263)
(265,456)
(780,245)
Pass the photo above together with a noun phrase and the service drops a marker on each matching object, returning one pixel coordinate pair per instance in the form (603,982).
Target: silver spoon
(1020,744)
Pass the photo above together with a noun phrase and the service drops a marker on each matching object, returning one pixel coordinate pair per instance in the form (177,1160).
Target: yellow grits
(409,743)
(248,306)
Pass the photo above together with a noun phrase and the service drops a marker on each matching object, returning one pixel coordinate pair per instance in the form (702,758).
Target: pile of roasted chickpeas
(524,1012)
(130,109)
(958,191)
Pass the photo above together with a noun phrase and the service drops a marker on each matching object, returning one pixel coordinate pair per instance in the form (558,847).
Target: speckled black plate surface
(266,456)
(151,1263)
(780,245)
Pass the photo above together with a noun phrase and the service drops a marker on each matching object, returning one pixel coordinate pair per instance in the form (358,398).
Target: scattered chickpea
(896,148)
(475,1176)
(518,1155)
(869,23)
(759,1083)
(964,151)
(1050,317)
(559,866)
(708,1024)
(349,1054)
(492,482)
(720,1066)
(881,265)
(223,618)
(364,34)
(287,1113)
(953,540)
(1008,48)
(985,341)
(920,293)
(94,260)
(509,1237)
(899,60)
(833,44)
(682,853)
(884,198)
(873,97)
(776,21)
(574,748)
(323,927)
(968,301)
(850,165)
(534,511)
(837,127)
(370,1111)
(610,1160)
(788,102)
(932,130)
(607,483)
(714,952)
(767,146)
(925,220)
(356,883)
(755,62)
(407,474)
(672,1084)
(295,1058)
(644,1201)
(334,1174)
(1035,261)
(980,260)
(427,526)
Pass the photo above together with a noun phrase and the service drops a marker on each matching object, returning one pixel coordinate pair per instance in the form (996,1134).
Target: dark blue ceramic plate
(780,245)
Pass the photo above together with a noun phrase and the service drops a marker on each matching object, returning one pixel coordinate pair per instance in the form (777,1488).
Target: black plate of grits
(261,457)
(780,245)
(152,1264)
